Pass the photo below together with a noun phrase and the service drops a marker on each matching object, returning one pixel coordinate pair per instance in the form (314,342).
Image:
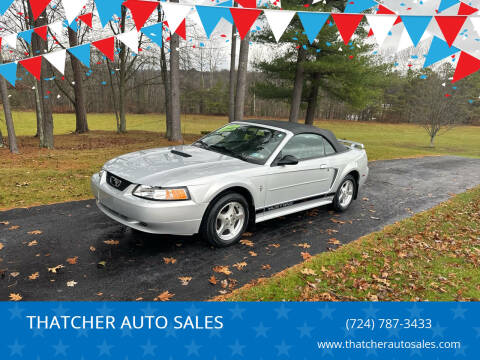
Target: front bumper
(157,217)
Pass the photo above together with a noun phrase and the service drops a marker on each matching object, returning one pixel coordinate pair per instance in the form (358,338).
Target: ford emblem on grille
(115,182)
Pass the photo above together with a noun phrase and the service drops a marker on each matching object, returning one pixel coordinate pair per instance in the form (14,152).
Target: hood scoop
(179,153)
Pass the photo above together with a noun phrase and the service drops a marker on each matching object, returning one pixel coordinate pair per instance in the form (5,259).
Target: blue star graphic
(477,330)
(415,311)
(126,332)
(437,330)
(193,348)
(282,311)
(461,350)
(415,351)
(60,348)
(214,333)
(459,312)
(261,330)
(60,310)
(348,333)
(305,330)
(326,352)
(16,349)
(327,311)
(283,348)
(371,311)
(104,349)
(149,310)
(237,349)
(372,352)
(82,333)
(104,310)
(237,312)
(393,332)
(171,332)
(38,332)
(148,348)
(16,312)
(192,310)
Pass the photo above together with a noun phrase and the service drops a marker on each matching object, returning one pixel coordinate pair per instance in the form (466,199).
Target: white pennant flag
(476,23)
(174,14)
(72,8)
(57,28)
(11,40)
(57,59)
(405,41)
(381,26)
(130,39)
(278,21)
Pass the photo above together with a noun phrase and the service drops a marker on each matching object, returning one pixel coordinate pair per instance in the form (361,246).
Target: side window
(305,146)
(329,150)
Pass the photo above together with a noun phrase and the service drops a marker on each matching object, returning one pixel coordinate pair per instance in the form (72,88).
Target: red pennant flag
(247,3)
(382,10)
(347,24)
(370,33)
(466,9)
(467,65)
(42,32)
(106,46)
(244,19)
(182,30)
(140,10)
(450,26)
(38,6)
(86,19)
(0,42)
(33,66)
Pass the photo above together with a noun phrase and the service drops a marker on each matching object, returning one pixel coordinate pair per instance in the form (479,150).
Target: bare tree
(176,134)
(241,86)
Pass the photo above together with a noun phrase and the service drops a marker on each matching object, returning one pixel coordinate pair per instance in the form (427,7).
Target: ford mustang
(241,174)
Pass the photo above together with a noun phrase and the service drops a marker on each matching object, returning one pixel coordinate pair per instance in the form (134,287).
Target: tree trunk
(312,100)
(122,77)
(231,87)
(176,133)
(297,86)
(166,85)
(80,111)
(432,138)
(1,139)
(12,138)
(241,78)
(39,46)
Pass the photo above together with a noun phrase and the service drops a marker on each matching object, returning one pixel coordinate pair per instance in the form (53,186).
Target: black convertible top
(297,128)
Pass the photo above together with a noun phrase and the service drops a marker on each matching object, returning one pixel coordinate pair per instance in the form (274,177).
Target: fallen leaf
(14,227)
(266,267)
(246,242)
(224,283)
(14,274)
(101,264)
(308,271)
(139,299)
(240,265)
(252,253)
(165,296)
(33,243)
(34,276)
(55,268)
(185,280)
(73,260)
(71,283)
(111,242)
(99,293)
(92,248)
(365,199)
(35,232)
(15,297)
(5,222)
(374,218)
(336,221)
(212,280)
(247,234)
(305,255)
(276,246)
(169,260)
(304,245)
(1,246)
(334,241)
(222,269)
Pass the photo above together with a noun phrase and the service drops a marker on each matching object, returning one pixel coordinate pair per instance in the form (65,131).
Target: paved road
(135,267)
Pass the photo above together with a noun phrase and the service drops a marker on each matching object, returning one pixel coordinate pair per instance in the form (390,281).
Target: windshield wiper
(224,150)
(202,143)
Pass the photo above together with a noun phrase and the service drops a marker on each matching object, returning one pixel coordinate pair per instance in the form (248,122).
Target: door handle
(323,166)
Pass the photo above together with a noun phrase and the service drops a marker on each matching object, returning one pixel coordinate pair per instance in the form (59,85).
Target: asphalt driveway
(103,260)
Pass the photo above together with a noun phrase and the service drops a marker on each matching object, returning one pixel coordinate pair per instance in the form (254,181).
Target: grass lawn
(46,176)
(435,256)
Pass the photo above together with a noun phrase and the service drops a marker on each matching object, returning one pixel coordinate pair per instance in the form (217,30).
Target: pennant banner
(312,23)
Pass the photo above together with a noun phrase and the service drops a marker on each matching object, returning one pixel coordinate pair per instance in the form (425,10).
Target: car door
(311,176)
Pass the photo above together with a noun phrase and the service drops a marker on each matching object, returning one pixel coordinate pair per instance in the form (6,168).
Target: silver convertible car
(243,173)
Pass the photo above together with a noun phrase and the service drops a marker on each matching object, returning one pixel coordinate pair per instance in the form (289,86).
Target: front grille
(117,182)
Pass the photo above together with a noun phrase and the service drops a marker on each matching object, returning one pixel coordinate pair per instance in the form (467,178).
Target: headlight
(158,193)
(101,172)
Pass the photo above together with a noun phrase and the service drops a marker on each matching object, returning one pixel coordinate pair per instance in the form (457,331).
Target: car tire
(226,220)
(345,194)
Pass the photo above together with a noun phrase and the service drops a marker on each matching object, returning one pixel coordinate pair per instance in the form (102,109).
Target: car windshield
(246,142)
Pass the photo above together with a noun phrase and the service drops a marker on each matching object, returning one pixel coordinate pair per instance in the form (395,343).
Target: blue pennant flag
(154,33)
(4,5)
(416,26)
(312,23)
(72,26)
(439,50)
(211,15)
(228,3)
(9,72)
(26,35)
(357,6)
(82,53)
(445,4)
(107,8)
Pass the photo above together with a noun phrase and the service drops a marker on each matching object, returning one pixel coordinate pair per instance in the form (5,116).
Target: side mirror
(288,160)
